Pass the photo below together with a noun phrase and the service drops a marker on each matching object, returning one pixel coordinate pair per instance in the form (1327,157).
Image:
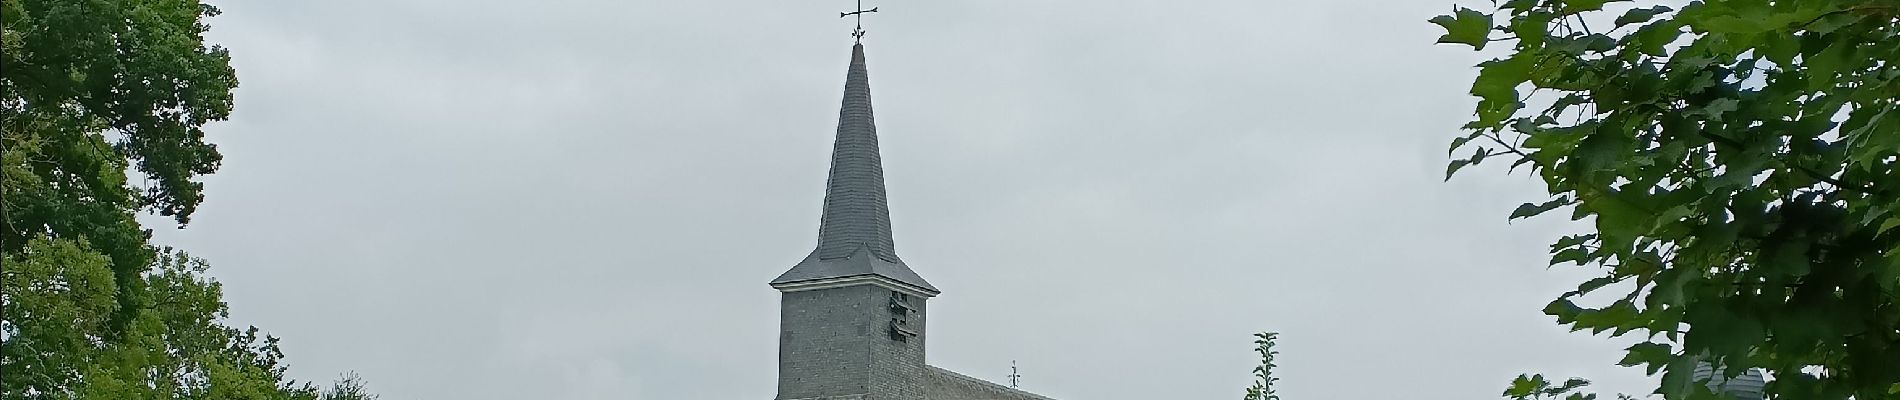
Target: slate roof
(941,384)
(860,262)
(854,235)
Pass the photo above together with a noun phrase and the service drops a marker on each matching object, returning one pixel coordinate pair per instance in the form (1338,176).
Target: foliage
(1737,159)
(1263,374)
(174,348)
(89,309)
(91,89)
(1535,387)
(137,67)
(349,387)
(57,295)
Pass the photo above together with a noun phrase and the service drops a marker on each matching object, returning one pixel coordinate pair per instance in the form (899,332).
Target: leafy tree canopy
(91,89)
(1737,159)
(89,309)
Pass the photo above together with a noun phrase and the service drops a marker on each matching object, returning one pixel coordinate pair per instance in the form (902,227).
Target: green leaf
(1640,15)
(1737,19)
(1872,214)
(1678,380)
(1617,314)
(1572,384)
(1560,140)
(1653,39)
(1833,21)
(1730,25)
(1573,254)
(1716,108)
(1528,210)
(1572,241)
(1525,386)
(1520,161)
(1823,67)
(1598,43)
(1601,151)
(1531,28)
(1496,86)
(1869,139)
(1477,156)
(1454,167)
(1651,354)
(1565,310)
(1594,284)
(1780,48)
(1673,287)
(1465,26)
(1461,140)
(1578,6)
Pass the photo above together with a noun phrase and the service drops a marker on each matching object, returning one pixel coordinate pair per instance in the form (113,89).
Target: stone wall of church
(837,342)
(897,367)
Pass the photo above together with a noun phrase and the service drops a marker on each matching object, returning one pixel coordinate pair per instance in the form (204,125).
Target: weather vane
(859,31)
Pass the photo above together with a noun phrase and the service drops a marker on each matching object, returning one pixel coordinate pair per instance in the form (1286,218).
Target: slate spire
(854,234)
(856,213)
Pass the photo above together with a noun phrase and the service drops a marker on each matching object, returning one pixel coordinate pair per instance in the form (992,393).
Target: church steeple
(851,315)
(856,212)
(854,233)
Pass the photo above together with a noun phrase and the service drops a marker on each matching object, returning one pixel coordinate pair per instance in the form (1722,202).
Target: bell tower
(852,314)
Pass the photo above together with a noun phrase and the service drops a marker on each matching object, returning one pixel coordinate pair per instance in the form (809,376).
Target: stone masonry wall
(835,342)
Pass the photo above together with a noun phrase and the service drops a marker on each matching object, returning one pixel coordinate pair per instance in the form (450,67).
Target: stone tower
(851,320)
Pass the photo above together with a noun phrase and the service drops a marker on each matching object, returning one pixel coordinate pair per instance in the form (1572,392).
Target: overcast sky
(584,199)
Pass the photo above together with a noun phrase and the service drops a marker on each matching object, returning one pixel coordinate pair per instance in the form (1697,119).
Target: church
(852,314)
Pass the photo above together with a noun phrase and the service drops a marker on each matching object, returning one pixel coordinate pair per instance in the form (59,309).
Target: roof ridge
(985,384)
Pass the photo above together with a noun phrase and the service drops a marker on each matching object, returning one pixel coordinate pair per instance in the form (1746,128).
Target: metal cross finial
(1013,374)
(859,31)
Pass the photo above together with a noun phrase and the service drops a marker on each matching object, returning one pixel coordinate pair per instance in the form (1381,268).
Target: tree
(1262,388)
(89,308)
(177,348)
(50,282)
(89,89)
(1736,161)
(1535,387)
(349,387)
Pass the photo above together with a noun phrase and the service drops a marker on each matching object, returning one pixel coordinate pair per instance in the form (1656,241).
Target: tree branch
(1818,18)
